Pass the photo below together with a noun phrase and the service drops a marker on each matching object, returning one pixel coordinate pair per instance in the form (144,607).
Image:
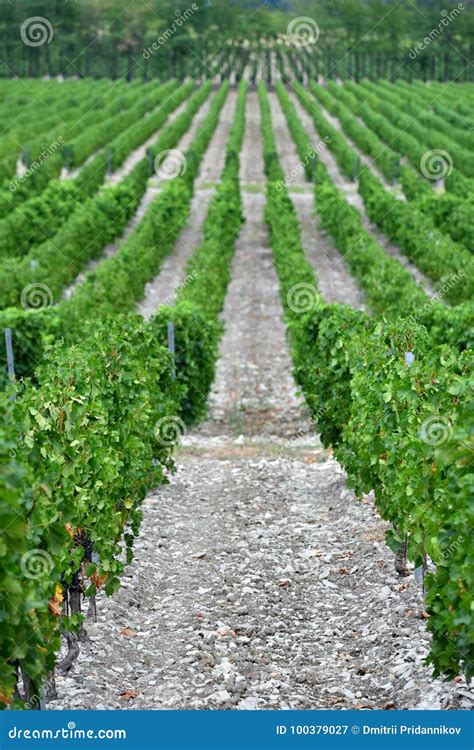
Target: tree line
(119,38)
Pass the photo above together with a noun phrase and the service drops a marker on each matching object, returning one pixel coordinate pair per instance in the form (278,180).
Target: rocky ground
(259,580)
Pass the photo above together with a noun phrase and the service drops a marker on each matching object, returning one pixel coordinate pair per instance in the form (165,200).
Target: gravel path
(353,197)
(293,167)
(71,174)
(259,581)
(162,289)
(334,278)
(393,250)
(251,169)
(254,391)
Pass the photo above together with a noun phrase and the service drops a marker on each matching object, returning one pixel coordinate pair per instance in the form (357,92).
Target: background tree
(358,37)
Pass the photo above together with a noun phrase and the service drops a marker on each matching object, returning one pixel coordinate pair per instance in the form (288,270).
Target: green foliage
(451,214)
(415,233)
(418,105)
(273,168)
(399,138)
(300,137)
(403,429)
(392,404)
(53,147)
(458,184)
(129,127)
(413,185)
(385,158)
(136,128)
(449,589)
(434,253)
(91,225)
(87,430)
(201,297)
(29,338)
(389,288)
(37,219)
(346,157)
(27,633)
(196,342)
(357,38)
(79,451)
(119,281)
(425,132)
